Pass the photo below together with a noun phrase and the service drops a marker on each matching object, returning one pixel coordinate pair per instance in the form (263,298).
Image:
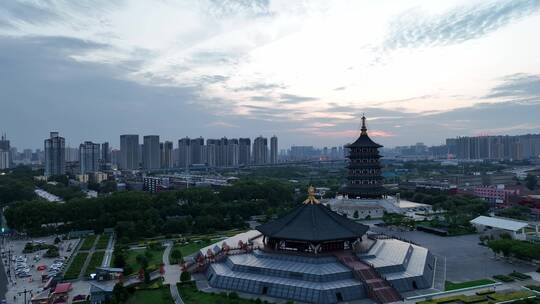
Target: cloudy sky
(303,70)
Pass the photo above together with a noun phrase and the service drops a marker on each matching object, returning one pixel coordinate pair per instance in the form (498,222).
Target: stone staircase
(378,288)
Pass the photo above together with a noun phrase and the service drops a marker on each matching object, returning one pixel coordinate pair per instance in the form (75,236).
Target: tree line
(139,214)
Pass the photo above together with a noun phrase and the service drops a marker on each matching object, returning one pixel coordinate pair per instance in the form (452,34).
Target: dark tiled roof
(313,222)
(364,141)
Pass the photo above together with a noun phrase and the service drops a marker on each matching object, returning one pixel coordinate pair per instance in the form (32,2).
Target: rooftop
(62,288)
(313,222)
(500,223)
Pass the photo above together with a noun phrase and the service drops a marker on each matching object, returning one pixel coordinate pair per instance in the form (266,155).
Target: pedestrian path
(172,275)
(109,251)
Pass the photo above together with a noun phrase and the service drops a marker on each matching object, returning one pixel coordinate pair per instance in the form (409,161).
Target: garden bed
(95,261)
(191,295)
(76,266)
(88,242)
(453,286)
(503,278)
(103,241)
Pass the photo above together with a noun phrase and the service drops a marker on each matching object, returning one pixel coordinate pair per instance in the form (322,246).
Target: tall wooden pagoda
(364,180)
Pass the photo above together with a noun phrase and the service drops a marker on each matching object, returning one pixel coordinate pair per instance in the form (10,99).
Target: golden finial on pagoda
(311,196)
(363,130)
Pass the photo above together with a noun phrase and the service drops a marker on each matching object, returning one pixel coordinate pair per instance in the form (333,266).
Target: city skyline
(455,68)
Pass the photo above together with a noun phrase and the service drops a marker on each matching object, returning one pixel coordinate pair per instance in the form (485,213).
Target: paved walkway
(107,258)
(172,275)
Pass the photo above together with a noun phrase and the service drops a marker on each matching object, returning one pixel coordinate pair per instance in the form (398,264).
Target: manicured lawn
(453,286)
(103,241)
(191,295)
(155,296)
(153,263)
(95,261)
(533,287)
(503,278)
(192,247)
(88,242)
(493,297)
(76,265)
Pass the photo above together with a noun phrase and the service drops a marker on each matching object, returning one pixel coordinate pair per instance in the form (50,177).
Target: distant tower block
(364,178)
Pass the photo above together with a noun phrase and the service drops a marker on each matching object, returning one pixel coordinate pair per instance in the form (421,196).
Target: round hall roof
(314,223)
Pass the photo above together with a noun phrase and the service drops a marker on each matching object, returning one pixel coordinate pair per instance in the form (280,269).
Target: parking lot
(26,270)
(465,259)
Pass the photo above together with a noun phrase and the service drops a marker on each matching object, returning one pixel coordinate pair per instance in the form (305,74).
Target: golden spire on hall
(311,196)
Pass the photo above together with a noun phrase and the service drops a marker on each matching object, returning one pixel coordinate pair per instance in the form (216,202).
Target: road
(172,275)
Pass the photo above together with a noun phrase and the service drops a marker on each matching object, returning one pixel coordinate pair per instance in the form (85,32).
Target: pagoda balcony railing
(360,175)
(271,250)
(378,178)
(364,155)
(352,165)
(365,187)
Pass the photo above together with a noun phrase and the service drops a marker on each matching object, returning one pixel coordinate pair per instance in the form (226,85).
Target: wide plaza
(465,258)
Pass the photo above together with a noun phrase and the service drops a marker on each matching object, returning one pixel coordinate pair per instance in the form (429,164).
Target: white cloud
(262,59)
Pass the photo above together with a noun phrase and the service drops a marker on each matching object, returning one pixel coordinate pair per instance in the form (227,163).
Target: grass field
(155,296)
(192,247)
(95,261)
(153,263)
(76,265)
(88,242)
(453,286)
(191,295)
(486,298)
(103,241)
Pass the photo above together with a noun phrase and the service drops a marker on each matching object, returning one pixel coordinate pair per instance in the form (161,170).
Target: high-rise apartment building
(115,157)
(273,149)
(495,147)
(233,151)
(89,155)
(244,151)
(167,161)
(27,156)
(129,152)
(55,160)
(260,150)
(151,152)
(71,154)
(184,153)
(105,153)
(4,160)
(212,146)
(196,151)
(5,153)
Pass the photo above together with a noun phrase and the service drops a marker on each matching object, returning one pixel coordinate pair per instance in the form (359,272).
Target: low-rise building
(155,184)
(495,226)
(495,194)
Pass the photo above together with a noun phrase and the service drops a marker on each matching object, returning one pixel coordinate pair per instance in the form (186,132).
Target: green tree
(185,276)
(142,260)
(146,277)
(119,258)
(176,256)
(119,294)
(531,181)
